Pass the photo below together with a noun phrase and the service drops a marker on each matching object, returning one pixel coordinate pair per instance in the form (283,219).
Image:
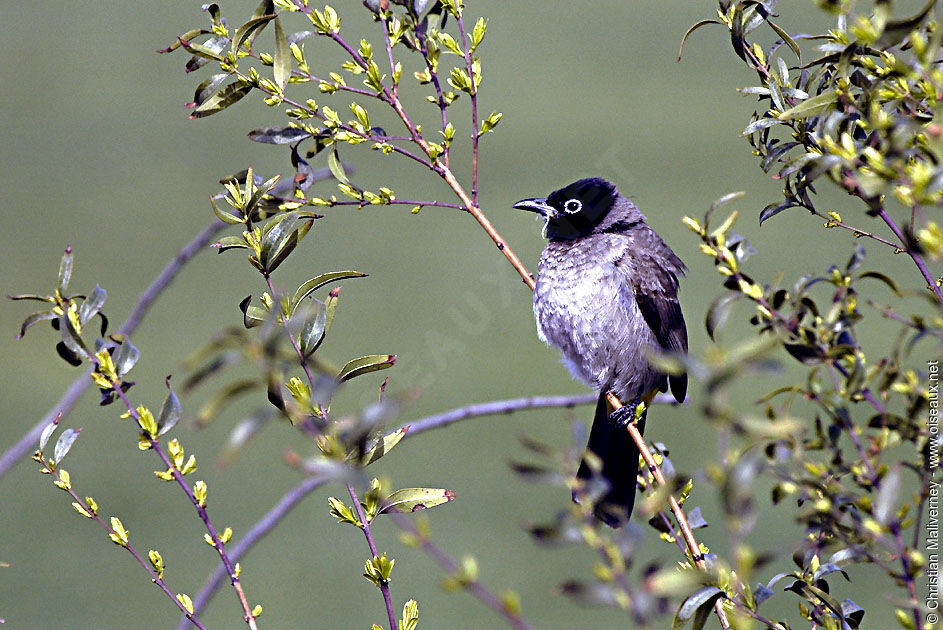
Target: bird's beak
(538,205)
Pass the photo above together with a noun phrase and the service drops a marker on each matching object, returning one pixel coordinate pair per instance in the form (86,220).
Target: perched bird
(607,296)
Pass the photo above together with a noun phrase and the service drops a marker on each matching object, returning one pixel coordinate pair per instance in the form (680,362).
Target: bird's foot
(627,413)
(622,416)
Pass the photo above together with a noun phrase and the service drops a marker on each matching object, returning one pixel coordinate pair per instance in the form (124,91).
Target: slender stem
(389,51)
(255,533)
(400,202)
(474,586)
(365,527)
(434,75)
(915,256)
(693,548)
(27,444)
(188,618)
(291,337)
(248,617)
(906,576)
(474,109)
(857,231)
(437,421)
(486,225)
(853,432)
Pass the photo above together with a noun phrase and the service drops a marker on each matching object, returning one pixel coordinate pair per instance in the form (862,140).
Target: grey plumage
(606,295)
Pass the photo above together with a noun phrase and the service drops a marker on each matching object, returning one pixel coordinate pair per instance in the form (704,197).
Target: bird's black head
(576,210)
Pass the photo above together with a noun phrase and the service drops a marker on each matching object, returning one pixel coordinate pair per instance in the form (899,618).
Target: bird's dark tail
(619,458)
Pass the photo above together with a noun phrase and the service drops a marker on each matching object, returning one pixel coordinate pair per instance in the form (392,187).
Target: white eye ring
(573,206)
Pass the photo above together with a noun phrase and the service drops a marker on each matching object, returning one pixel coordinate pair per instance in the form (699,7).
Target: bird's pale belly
(595,322)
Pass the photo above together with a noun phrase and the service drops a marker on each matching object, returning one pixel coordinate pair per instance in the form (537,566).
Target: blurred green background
(98,153)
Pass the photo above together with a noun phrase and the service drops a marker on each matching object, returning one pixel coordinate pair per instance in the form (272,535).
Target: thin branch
(368,534)
(27,444)
(906,575)
(399,202)
(255,534)
(155,445)
(473,92)
(434,76)
(474,586)
(693,548)
(858,232)
(511,405)
(188,618)
(915,256)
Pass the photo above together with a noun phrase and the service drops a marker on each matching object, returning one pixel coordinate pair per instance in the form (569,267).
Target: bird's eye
(573,206)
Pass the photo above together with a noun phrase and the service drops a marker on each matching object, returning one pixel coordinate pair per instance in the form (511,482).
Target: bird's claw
(623,415)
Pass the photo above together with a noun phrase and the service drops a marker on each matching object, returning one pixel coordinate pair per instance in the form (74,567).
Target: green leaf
(337,167)
(262,15)
(230,94)
(703,596)
(317,282)
(721,202)
(170,411)
(64,443)
(691,30)
(218,401)
(412,499)
(383,446)
(92,304)
(788,39)
(280,236)
(312,331)
(230,242)
(47,433)
(71,338)
(896,30)
(125,357)
(209,51)
(877,275)
(282,63)
(252,316)
(35,318)
(278,135)
(761,123)
(811,106)
(206,88)
(226,217)
(65,270)
(186,37)
(718,312)
(738,32)
(33,296)
(365,365)
(888,496)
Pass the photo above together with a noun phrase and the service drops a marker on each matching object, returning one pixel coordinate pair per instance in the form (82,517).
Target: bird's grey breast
(584,305)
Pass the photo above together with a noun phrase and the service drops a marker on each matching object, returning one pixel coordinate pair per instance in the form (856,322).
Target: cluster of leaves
(311,127)
(864,113)
(843,439)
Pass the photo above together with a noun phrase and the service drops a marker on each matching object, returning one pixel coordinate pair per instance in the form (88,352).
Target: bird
(606,296)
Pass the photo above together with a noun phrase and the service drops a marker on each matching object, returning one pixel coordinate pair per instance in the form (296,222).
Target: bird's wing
(651,269)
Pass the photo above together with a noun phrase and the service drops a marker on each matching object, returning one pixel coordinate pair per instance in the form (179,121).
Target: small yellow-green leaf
(364,365)
(412,499)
